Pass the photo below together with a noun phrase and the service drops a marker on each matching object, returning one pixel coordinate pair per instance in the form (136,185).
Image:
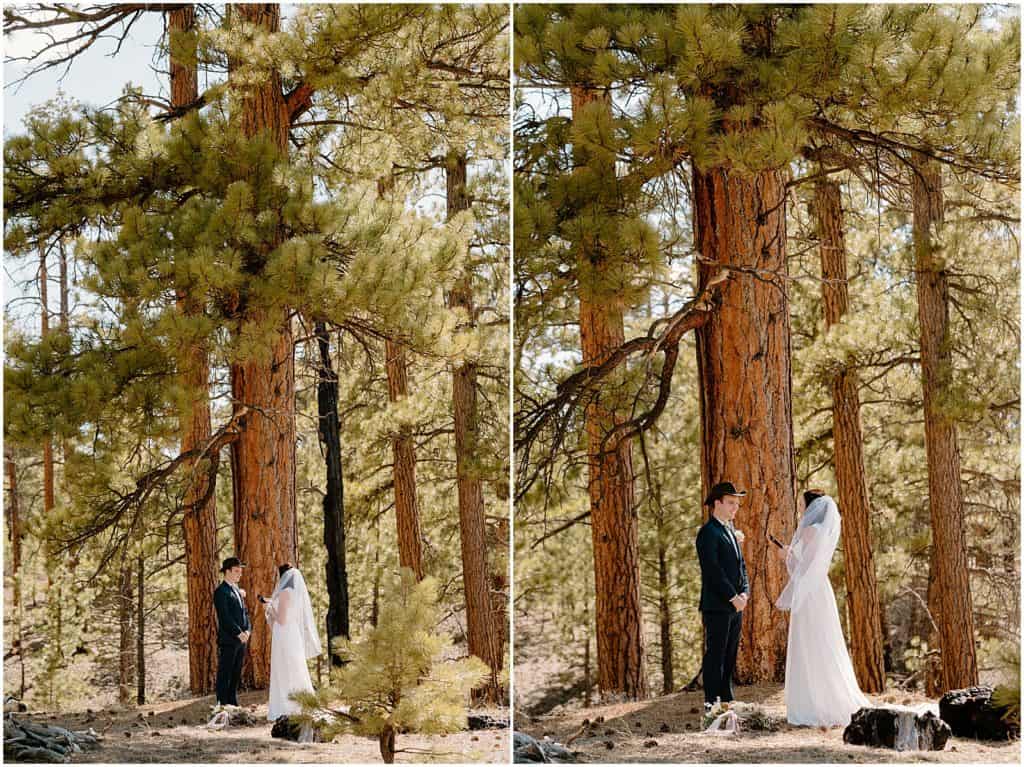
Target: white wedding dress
(821,687)
(293,639)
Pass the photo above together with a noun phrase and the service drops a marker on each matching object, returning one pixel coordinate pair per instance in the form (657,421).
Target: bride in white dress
(821,687)
(293,639)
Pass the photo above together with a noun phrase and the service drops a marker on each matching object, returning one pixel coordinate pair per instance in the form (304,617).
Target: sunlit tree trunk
(949,597)
(743,361)
(484,637)
(263,457)
(861,585)
(614,526)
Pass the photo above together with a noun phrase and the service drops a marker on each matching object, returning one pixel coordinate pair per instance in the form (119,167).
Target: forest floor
(670,725)
(174,731)
(170,727)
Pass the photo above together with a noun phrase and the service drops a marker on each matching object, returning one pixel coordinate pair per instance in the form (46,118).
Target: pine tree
(422,691)
(949,592)
(407,513)
(776,84)
(199,521)
(861,586)
(189,204)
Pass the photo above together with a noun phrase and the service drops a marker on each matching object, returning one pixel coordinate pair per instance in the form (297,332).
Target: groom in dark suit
(724,591)
(233,631)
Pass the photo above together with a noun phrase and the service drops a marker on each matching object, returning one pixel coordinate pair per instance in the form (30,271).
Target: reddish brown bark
(484,638)
(859,565)
(614,532)
(950,595)
(14,522)
(497,555)
(407,510)
(263,457)
(199,523)
(743,360)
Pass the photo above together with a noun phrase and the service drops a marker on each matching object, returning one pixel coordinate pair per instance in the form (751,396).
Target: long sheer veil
(810,552)
(299,611)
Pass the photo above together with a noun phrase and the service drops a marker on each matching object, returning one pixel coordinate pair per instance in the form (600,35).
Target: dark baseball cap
(230,562)
(722,489)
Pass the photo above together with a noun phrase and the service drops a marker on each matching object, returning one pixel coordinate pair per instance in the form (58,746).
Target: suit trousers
(229,672)
(722,641)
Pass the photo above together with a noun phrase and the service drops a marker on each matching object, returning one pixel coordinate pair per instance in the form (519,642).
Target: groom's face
(730,505)
(234,574)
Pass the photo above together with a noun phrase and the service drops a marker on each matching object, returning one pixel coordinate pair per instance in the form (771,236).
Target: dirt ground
(672,722)
(174,731)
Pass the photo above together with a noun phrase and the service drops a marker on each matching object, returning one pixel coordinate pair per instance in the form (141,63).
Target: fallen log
(27,741)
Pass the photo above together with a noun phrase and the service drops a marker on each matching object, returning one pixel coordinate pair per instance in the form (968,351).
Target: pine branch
(93,24)
(129,505)
(583,387)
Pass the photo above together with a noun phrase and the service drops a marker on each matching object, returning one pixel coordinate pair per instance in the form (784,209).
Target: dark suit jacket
(723,575)
(232,617)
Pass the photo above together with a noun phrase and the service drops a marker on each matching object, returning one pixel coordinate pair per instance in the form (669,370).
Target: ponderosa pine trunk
(199,520)
(263,456)
(329,432)
(13,509)
(950,597)
(859,565)
(618,612)
(497,556)
(484,638)
(125,634)
(44,331)
(140,633)
(407,510)
(665,622)
(743,362)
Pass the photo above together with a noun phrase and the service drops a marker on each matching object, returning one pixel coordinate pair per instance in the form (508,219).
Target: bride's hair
(282,569)
(810,496)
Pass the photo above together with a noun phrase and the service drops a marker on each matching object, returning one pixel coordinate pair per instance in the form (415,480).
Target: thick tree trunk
(199,522)
(743,360)
(263,481)
(484,637)
(861,585)
(614,525)
(124,606)
(263,457)
(950,599)
(407,511)
(334,499)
